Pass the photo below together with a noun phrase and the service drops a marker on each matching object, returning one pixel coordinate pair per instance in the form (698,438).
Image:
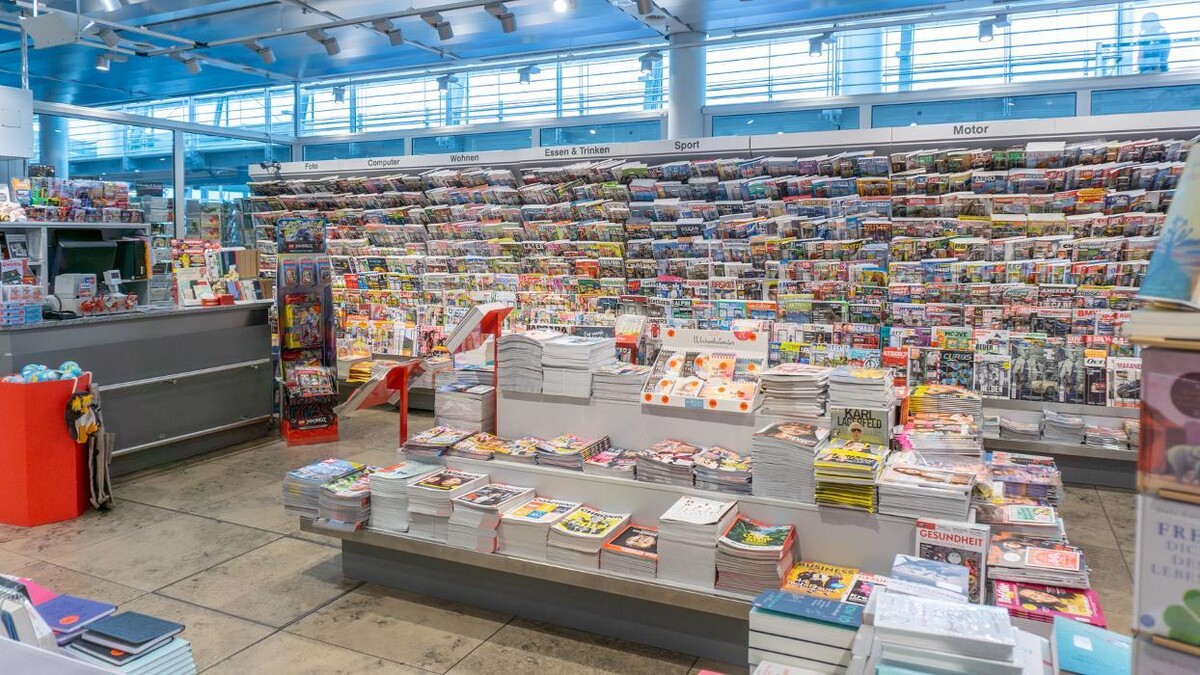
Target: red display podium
(45,470)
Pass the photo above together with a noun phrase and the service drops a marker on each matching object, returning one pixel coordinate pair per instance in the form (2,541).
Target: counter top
(137,315)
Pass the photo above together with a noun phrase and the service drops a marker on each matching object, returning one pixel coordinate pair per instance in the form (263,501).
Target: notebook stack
(913,490)
(1033,607)
(784,454)
(524,530)
(1029,560)
(461,405)
(845,473)
(722,470)
(615,462)
(619,383)
(852,387)
(521,451)
(576,540)
(431,444)
(136,644)
(68,616)
(481,446)
(570,451)
(668,461)
(389,494)
(520,358)
(344,504)
(793,634)
(795,390)
(946,420)
(1033,476)
(1062,428)
(302,487)
(568,363)
(633,552)
(429,501)
(687,539)
(752,556)
(476,515)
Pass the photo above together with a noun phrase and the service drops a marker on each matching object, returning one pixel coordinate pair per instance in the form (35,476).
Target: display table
(174,383)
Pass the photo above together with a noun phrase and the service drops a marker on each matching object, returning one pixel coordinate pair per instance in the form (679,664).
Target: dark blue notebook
(69,614)
(131,632)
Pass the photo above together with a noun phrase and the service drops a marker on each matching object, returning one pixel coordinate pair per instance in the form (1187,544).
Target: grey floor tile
(273,584)
(214,636)
(48,542)
(437,633)
(1110,579)
(277,458)
(531,647)
(321,539)
(194,488)
(718,667)
(63,580)
(261,508)
(1084,518)
(1120,506)
(152,557)
(375,457)
(10,562)
(285,653)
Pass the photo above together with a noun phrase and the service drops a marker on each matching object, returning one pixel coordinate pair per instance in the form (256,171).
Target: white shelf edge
(1062,449)
(996,404)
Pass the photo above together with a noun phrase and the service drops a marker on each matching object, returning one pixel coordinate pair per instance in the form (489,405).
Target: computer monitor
(84,257)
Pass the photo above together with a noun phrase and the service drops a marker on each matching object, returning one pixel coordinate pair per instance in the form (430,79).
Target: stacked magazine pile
(463,405)
(302,487)
(570,451)
(945,420)
(479,446)
(722,470)
(957,543)
(389,494)
(476,515)
(853,387)
(523,450)
(950,581)
(345,503)
(1020,518)
(1062,428)
(668,461)
(429,501)
(784,455)
(520,360)
(576,540)
(1034,561)
(991,426)
(845,473)
(687,539)
(753,556)
(1108,438)
(616,462)
(1033,605)
(1014,430)
(795,390)
(633,552)
(473,374)
(568,364)
(523,531)
(909,488)
(1034,477)
(619,383)
(431,444)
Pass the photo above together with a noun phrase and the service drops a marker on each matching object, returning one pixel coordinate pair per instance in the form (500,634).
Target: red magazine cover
(1043,603)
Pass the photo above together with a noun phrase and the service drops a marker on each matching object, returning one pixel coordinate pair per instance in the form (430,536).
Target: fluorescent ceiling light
(562,6)
(102,63)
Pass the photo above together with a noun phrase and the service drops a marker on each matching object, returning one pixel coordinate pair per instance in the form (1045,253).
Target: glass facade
(973,110)
(497,140)
(388,148)
(827,119)
(617,132)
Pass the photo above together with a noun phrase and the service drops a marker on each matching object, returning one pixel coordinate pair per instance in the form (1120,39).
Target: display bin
(45,470)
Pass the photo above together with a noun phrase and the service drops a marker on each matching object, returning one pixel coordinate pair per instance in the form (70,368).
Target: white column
(686,92)
(54,144)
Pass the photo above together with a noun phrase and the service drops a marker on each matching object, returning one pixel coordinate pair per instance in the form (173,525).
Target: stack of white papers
(568,364)
(633,552)
(302,487)
(619,383)
(783,456)
(520,360)
(465,406)
(851,387)
(429,500)
(795,390)
(1062,428)
(687,541)
(477,514)
(575,541)
(523,531)
(389,494)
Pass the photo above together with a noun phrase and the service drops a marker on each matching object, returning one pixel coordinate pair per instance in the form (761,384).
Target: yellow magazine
(819,580)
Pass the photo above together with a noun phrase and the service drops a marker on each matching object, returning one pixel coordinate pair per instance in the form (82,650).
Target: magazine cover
(447,480)
(956,368)
(807,435)
(964,544)
(1173,278)
(542,510)
(697,510)
(1166,589)
(635,540)
(1043,603)
(1095,376)
(819,580)
(750,535)
(865,425)
(492,495)
(590,523)
(1033,377)
(1169,456)
(993,375)
(1125,382)
(946,576)
(862,586)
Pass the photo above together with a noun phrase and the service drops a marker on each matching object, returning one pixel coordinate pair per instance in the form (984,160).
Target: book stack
(619,383)
(946,420)
(949,580)
(752,556)
(476,515)
(344,503)
(1033,561)
(302,487)
(568,364)
(784,454)
(68,616)
(633,552)
(1014,430)
(429,501)
(845,474)
(912,490)
(136,644)
(1062,428)
(1032,476)
(523,450)
(851,387)
(1033,607)
(957,543)
(481,446)
(569,451)
(389,494)
(722,470)
(615,462)
(801,634)
(524,530)
(576,540)
(519,356)
(431,444)
(795,390)
(687,539)
(668,461)
(462,405)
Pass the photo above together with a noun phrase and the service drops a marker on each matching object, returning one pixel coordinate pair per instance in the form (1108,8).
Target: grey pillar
(860,54)
(685,108)
(53,144)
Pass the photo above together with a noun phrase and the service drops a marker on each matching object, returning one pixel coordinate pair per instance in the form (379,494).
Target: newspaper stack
(1108,438)
(523,450)
(927,634)
(523,531)
(302,487)
(753,556)
(795,390)
(1062,428)
(431,444)
(633,552)
(687,539)
(913,490)
(845,473)
(570,451)
(722,470)
(1031,476)
(576,540)
(344,504)
(474,374)
(615,462)
(1019,431)
(482,446)
(519,356)
(1025,559)
(991,426)
(463,405)
(433,365)
(667,461)
(784,455)
(568,364)
(389,494)
(619,383)
(852,387)
(429,501)
(476,515)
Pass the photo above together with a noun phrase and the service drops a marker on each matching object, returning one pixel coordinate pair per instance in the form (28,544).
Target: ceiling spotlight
(394,35)
(648,60)
(102,63)
(527,72)
(109,36)
(562,6)
(508,21)
(327,41)
(193,66)
(264,52)
(110,6)
(985,30)
(445,32)
(645,7)
(445,81)
(339,94)
(1001,21)
(817,44)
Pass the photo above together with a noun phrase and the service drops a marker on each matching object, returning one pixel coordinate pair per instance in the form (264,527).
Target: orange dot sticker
(68,620)
(699,360)
(666,400)
(744,406)
(647,397)
(712,402)
(116,652)
(670,332)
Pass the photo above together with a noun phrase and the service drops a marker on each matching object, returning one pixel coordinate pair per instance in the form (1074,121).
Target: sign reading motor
(970,129)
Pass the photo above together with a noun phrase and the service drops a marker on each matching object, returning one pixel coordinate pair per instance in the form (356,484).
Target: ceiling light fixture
(562,6)
(985,30)
(110,6)
(109,36)
(264,52)
(644,7)
(508,21)
(817,44)
(434,19)
(527,72)
(1001,21)
(445,81)
(339,94)
(327,41)
(193,65)
(102,63)
(394,35)
(648,61)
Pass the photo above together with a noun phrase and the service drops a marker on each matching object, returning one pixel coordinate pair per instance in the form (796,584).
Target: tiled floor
(205,543)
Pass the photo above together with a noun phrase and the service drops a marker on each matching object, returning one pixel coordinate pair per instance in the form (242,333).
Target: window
(389,148)
(619,132)
(498,140)
(1144,100)
(770,71)
(973,110)
(829,119)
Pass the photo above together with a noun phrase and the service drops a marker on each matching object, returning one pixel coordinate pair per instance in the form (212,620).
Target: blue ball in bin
(51,375)
(69,369)
(13,379)
(29,370)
